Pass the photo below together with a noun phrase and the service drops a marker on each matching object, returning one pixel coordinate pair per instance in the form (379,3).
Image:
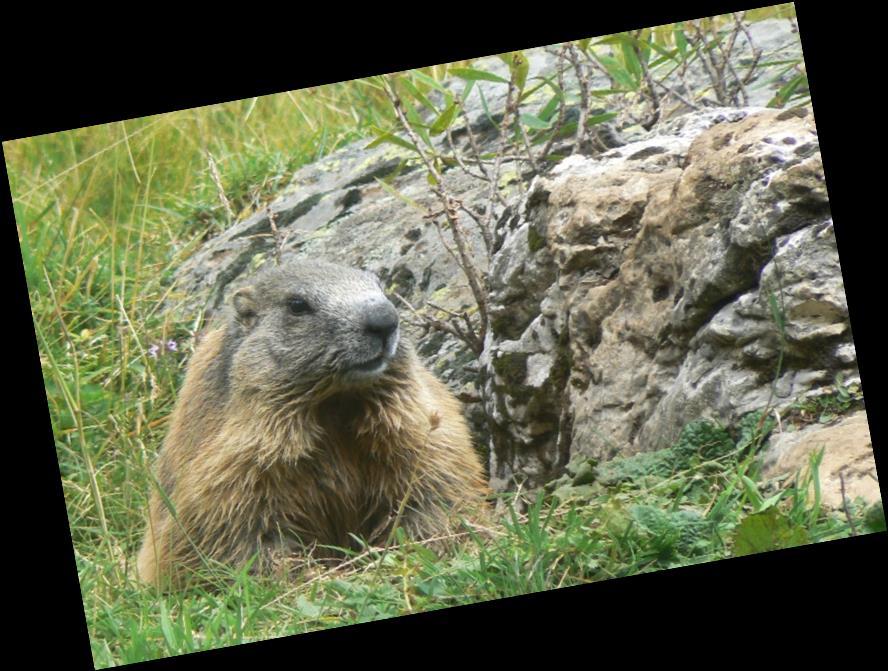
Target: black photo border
(830,586)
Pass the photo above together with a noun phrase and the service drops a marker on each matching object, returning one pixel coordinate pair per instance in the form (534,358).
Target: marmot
(305,418)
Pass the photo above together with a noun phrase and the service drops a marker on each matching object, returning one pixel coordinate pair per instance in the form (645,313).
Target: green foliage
(837,400)
(104,216)
(660,464)
(753,430)
(673,534)
(767,530)
(699,441)
(710,510)
(874,519)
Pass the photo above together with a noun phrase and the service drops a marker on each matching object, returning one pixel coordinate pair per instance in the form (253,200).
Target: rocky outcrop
(646,288)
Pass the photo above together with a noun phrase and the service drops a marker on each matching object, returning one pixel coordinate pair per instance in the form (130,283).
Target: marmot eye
(298,306)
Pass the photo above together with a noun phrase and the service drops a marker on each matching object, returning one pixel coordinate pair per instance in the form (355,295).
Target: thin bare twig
(675,94)
(738,87)
(444,243)
(470,330)
(709,63)
(217,180)
(457,155)
(559,122)
(473,142)
(583,81)
(493,192)
(649,81)
(530,158)
(756,51)
(279,240)
(476,281)
(447,327)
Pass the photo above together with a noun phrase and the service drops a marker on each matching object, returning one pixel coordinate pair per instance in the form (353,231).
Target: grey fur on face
(315,322)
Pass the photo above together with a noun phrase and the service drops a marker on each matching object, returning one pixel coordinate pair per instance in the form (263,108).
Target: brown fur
(250,471)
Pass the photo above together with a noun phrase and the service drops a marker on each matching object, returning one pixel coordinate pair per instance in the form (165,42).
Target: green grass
(106,213)
(712,507)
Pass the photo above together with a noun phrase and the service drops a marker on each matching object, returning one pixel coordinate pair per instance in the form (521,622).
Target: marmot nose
(381,319)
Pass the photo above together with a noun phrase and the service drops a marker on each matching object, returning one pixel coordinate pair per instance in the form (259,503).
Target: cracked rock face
(642,289)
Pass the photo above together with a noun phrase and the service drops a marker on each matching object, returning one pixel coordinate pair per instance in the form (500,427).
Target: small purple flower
(172,345)
(153,350)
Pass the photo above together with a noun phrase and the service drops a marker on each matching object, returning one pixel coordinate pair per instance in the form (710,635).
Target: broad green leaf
(568,129)
(618,72)
(307,608)
(767,530)
(540,137)
(467,90)
(600,118)
(471,74)
(778,76)
(770,502)
(392,139)
(167,628)
(667,54)
(656,63)
(751,491)
(663,35)
(486,109)
(429,81)
(416,93)
(681,41)
(549,110)
(630,58)
(529,92)
(444,120)
(785,93)
(610,39)
(534,122)
(874,518)
(416,124)
(519,67)
(644,44)
(552,84)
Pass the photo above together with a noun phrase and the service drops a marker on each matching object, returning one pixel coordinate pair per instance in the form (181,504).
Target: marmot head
(310,324)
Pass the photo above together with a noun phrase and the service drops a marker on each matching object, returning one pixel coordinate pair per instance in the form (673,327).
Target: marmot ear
(244,301)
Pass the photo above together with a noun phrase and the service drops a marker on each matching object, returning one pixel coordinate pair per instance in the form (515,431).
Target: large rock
(847,470)
(642,289)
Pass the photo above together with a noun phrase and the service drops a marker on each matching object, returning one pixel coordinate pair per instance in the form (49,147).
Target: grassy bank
(700,501)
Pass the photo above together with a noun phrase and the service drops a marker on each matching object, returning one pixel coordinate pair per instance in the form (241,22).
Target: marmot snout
(381,338)
(306,419)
